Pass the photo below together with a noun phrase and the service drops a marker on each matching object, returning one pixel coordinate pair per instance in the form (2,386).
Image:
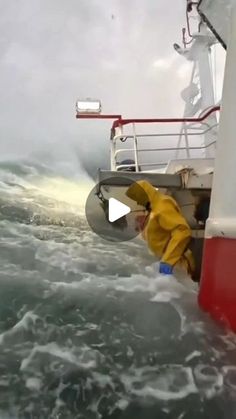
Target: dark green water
(87,330)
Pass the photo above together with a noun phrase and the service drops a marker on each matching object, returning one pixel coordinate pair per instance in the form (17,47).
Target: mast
(199,95)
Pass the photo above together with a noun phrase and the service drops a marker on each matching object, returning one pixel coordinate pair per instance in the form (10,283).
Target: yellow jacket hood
(143,192)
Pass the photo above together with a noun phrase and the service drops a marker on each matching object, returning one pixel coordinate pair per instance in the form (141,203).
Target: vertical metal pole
(207,93)
(112,154)
(118,131)
(186,141)
(135,149)
(179,143)
(186,114)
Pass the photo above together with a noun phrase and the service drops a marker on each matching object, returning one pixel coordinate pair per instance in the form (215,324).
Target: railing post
(118,132)
(135,149)
(179,142)
(186,140)
(112,154)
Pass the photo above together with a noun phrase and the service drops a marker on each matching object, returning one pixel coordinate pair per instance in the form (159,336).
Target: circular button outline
(125,228)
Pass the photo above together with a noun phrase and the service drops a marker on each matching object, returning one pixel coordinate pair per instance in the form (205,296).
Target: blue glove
(165,268)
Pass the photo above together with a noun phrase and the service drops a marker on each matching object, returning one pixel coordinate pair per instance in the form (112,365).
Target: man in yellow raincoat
(166,231)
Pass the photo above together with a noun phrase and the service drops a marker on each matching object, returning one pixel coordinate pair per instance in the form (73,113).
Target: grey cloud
(52,52)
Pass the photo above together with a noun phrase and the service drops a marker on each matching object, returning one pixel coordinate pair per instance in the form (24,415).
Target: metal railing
(186,134)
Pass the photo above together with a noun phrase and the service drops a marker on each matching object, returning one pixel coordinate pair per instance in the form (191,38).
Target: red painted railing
(119,121)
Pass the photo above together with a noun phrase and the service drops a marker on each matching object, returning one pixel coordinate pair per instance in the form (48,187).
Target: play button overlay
(117,210)
(111,214)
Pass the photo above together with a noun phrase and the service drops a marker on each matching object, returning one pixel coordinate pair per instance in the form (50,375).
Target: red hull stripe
(218,281)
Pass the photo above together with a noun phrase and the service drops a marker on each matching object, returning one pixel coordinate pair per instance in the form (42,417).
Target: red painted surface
(218,281)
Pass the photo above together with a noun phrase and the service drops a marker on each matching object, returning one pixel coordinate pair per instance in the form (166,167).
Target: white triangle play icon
(117,209)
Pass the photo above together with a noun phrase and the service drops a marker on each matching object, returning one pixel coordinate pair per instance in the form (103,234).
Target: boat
(184,157)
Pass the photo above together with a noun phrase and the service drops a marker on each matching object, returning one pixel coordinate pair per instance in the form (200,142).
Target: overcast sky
(53,51)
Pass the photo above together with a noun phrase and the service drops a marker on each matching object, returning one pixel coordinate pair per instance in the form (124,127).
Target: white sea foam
(26,322)
(33,383)
(194,354)
(63,354)
(209,379)
(229,372)
(169,382)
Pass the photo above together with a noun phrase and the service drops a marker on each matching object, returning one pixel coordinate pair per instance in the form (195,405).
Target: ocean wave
(34,193)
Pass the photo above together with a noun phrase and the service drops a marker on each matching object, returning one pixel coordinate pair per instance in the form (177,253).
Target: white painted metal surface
(218,14)
(222,219)
(199,95)
(200,166)
(221,227)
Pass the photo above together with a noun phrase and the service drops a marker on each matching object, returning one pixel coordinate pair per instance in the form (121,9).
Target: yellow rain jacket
(166,231)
